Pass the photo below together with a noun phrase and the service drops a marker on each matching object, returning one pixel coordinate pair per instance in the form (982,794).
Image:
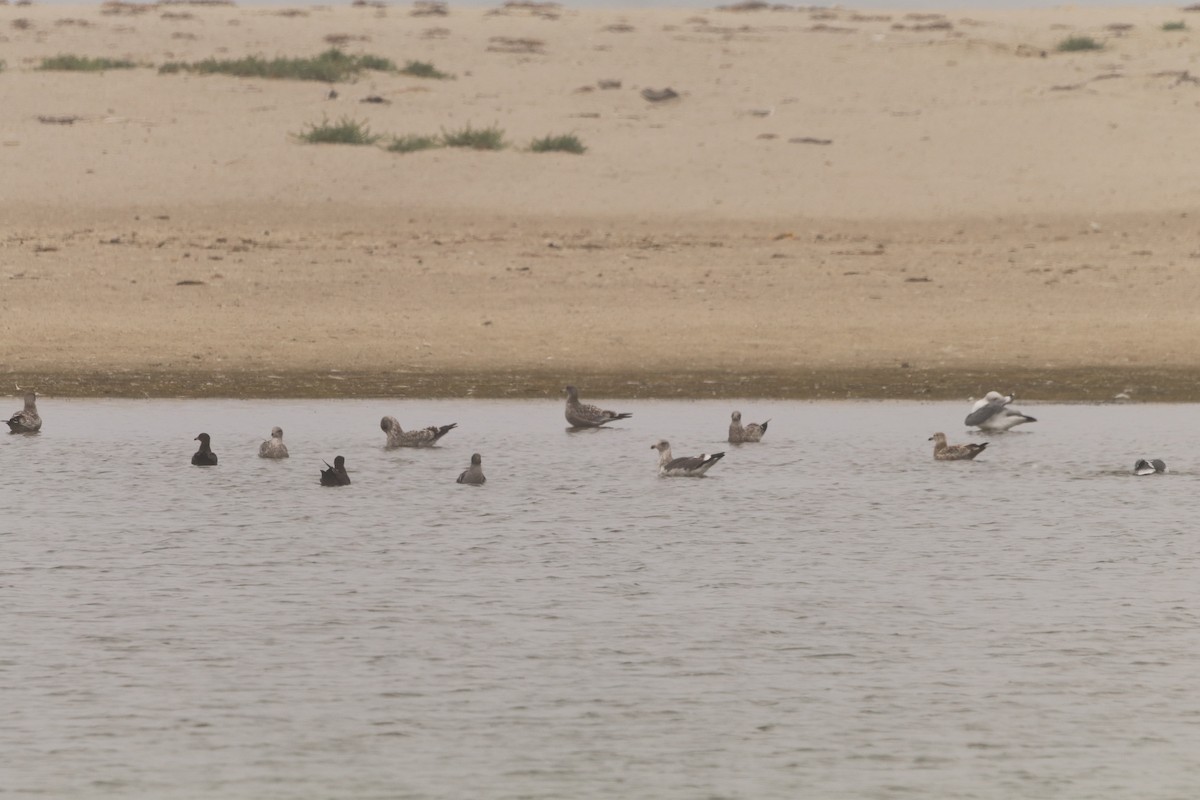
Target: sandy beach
(837,204)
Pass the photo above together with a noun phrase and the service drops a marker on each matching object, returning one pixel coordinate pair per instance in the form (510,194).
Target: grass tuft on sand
(423,69)
(475,138)
(73,63)
(344,131)
(330,66)
(563,143)
(411,143)
(1074,44)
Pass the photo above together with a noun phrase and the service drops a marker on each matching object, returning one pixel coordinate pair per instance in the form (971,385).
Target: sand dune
(836,201)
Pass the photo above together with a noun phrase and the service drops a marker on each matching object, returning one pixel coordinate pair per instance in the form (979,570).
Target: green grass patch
(1075,44)
(344,131)
(412,143)
(331,66)
(1179,25)
(475,138)
(423,69)
(564,143)
(70,63)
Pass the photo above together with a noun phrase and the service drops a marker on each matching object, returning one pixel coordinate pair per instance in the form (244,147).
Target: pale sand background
(971,226)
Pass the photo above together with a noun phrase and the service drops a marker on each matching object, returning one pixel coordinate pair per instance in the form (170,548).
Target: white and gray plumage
(423,437)
(274,448)
(751,432)
(993,414)
(473,474)
(954,452)
(687,467)
(583,415)
(27,419)
(1149,466)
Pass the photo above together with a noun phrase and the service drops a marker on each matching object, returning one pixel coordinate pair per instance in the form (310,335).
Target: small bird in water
(686,467)
(1152,466)
(954,452)
(425,437)
(335,475)
(204,457)
(27,419)
(752,432)
(583,415)
(473,474)
(273,448)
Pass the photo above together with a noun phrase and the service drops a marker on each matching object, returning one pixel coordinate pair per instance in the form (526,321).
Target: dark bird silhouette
(204,457)
(335,475)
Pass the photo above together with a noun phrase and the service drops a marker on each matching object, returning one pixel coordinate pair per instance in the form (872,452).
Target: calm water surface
(830,614)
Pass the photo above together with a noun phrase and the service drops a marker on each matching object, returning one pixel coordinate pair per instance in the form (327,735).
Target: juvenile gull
(26,420)
(954,452)
(688,467)
(474,473)
(1152,466)
(425,437)
(583,415)
(204,457)
(752,432)
(993,414)
(275,448)
(335,475)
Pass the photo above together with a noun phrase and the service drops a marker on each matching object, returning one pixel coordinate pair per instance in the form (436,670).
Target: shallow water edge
(1073,384)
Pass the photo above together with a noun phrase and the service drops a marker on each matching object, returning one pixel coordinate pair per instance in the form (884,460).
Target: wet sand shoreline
(1089,385)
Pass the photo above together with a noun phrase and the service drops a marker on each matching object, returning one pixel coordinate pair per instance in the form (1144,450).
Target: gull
(583,415)
(27,419)
(425,437)
(954,452)
(275,448)
(753,432)
(993,414)
(204,457)
(473,474)
(335,475)
(688,467)
(1152,466)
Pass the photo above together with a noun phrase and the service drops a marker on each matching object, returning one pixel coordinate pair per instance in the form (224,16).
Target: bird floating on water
(751,432)
(424,437)
(27,419)
(686,467)
(993,414)
(584,415)
(274,447)
(335,475)
(204,457)
(473,474)
(954,452)
(1151,466)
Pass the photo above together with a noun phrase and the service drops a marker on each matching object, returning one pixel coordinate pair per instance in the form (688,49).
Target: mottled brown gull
(686,467)
(473,474)
(583,415)
(27,419)
(954,452)
(751,432)
(423,437)
(993,414)
(274,447)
